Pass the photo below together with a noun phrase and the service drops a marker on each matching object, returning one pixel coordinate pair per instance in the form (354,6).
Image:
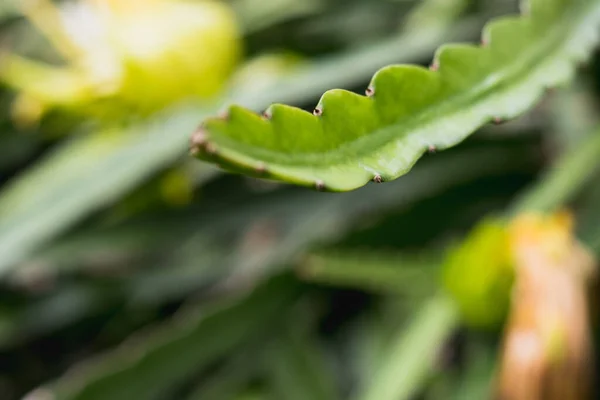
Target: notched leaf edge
(407,110)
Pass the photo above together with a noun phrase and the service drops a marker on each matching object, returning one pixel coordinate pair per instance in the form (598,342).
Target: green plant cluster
(129,269)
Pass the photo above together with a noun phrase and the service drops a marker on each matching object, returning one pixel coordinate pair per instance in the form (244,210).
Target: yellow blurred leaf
(127,57)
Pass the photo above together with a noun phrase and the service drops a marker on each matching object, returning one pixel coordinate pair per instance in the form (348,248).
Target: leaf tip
(223,115)
(435,65)
(268,114)
(197,141)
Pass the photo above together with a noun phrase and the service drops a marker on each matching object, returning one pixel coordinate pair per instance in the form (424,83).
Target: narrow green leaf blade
(81,176)
(298,367)
(153,364)
(408,110)
(229,380)
(570,173)
(403,274)
(412,356)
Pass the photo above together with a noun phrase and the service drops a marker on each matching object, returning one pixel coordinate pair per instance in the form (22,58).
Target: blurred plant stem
(412,355)
(297,364)
(565,178)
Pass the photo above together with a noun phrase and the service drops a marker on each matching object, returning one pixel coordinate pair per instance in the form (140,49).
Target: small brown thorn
(320,185)
(435,65)
(267,114)
(498,120)
(198,138)
(224,115)
(261,168)
(318,112)
(370,91)
(210,148)
(432,149)
(377,178)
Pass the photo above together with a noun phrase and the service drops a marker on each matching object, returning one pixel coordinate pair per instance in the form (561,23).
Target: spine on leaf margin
(408,110)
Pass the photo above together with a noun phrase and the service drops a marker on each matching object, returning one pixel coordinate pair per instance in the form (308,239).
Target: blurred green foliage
(479,274)
(130,270)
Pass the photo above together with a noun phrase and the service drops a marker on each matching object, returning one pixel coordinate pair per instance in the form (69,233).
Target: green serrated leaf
(408,109)
(62,188)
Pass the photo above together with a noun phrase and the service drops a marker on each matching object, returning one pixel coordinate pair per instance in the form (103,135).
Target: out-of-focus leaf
(413,353)
(477,382)
(377,271)
(258,14)
(593,240)
(9,8)
(565,178)
(15,148)
(366,341)
(588,216)
(147,366)
(573,115)
(434,14)
(255,395)
(298,367)
(350,139)
(94,170)
(87,173)
(353,24)
(246,237)
(167,52)
(71,303)
(481,293)
(228,380)
(473,379)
